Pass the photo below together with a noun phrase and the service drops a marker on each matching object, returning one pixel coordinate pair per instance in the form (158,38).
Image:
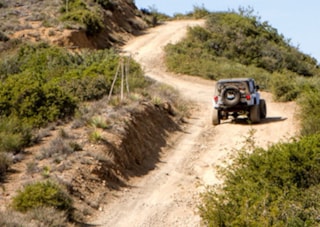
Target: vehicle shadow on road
(268,120)
(272,119)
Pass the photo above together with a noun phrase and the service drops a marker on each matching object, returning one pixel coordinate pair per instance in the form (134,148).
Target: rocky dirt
(38,21)
(169,194)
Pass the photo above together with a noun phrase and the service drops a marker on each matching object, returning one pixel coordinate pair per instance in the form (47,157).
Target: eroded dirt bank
(168,195)
(131,150)
(130,147)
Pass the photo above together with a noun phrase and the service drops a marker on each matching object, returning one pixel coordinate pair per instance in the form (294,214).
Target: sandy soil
(168,195)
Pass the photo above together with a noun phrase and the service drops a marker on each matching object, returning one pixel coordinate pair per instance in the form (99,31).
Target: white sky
(298,21)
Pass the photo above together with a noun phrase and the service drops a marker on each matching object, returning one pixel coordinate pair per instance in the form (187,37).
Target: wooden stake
(113,82)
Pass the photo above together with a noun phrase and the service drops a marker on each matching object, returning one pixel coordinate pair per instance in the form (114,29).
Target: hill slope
(237,41)
(44,21)
(126,155)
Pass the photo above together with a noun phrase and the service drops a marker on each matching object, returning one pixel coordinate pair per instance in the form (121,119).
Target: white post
(122,78)
(127,73)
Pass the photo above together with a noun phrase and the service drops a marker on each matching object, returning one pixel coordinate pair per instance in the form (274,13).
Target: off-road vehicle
(237,97)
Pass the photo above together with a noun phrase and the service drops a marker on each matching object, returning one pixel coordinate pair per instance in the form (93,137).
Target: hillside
(241,42)
(74,152)
(46,21)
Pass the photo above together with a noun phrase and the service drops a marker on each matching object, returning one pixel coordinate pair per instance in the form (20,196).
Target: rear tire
(216,118)
(263,109)
(254,115)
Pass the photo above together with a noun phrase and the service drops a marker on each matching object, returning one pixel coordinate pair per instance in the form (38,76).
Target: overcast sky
(298,21)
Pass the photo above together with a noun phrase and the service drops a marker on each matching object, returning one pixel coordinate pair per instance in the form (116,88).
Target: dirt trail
(168,195)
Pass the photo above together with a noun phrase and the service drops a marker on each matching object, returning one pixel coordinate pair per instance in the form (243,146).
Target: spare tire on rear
(230,96)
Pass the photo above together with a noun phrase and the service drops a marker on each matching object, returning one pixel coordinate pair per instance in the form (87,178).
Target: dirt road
(168,195)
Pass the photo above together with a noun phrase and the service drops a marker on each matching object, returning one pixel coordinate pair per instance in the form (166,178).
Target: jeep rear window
(241,85)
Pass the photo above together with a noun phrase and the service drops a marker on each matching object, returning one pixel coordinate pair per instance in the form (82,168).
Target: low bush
(5,162)
(93,23)
(95,136)
(44,216)
(284,87)
(210,67)
(90,17)
(199,12)
(152,16)
(99,122)
(14,134)
(274,187)
(42,194)
(309,113)
(57,147)
(31,100)
(49,216)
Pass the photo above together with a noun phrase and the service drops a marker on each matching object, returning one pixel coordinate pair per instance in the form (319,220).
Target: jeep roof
(235,80)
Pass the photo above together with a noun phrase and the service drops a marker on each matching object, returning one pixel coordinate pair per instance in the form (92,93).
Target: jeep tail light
(248,97)
(215,98)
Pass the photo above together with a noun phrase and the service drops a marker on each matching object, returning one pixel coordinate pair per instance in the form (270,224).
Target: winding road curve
(168,195)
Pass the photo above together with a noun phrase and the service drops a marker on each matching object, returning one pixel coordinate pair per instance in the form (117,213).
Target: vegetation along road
(168,195)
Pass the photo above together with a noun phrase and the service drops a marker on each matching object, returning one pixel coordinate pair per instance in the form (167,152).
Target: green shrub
(30,100)
(45,61)
(12,142)
(42,194)
(210,67)
(309,113)
(5,162)
(95,136)
(14,134)
(152,16)
(8,66)
(77,11)
(284,87)
(93,23)
(274,187)
(87,88)
(199,12)
(99,122)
